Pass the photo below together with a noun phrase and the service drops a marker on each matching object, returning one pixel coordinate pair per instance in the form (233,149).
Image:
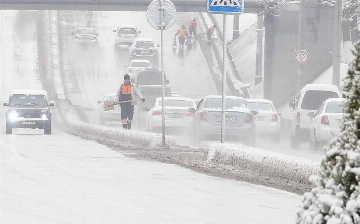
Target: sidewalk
(235,84)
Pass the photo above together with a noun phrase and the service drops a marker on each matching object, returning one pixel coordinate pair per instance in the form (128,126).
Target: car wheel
(147,127)
(47,129)
(196,136)
(276,138)
(315,144)
(294,141)
(8,128)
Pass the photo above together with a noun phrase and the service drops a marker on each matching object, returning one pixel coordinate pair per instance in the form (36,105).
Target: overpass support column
(269,53)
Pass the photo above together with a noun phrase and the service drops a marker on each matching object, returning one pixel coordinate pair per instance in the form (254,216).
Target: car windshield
(335,107)
(149,78)
(260,106)
(86,31)
(230,103)
(127,30)
(144,44)
(314,98)
(140,64)
(177,103)
(27,100)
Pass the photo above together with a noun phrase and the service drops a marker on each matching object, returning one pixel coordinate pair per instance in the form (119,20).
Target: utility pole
(337,43)
(300,45)
(236,26)
(259,47)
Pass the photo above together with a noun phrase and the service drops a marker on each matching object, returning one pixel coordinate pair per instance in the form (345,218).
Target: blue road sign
(225,6)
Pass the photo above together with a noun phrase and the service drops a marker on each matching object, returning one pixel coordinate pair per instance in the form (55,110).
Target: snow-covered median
(125,138)
(272,163)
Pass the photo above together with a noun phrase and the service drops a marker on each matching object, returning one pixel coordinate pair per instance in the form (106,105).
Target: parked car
(267,120)
(179,112)
(125,34)
(85,35)
(28,109)
(326,122)
(144,48)
(239,119)
(108,110)
(308,100)
(135,66)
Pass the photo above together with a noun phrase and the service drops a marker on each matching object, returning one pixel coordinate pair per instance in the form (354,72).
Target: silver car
(239,119)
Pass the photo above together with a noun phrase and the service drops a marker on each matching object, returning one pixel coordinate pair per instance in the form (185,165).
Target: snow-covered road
(63,179)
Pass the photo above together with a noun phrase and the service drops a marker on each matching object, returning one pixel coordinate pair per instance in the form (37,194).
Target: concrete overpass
(250,6)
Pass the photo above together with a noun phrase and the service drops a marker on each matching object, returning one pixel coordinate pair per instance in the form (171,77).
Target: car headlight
(13,116)
(44,117)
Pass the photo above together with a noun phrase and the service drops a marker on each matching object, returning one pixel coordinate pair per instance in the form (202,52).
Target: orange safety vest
(192,23)
(126,89)
(182,32)
(125,93)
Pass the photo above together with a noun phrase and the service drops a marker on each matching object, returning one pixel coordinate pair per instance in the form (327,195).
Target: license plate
(28,122)
(228,119)
(144,52)
(257,118)
(175,115)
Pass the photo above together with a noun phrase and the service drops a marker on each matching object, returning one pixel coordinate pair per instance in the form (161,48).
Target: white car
(125,34)
(267,121)
(326,122)
(135,66)
(85,35)
(179,112)
(108,111)
(309,99)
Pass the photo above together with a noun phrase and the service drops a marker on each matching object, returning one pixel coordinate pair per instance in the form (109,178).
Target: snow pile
(126,138)
(276,164)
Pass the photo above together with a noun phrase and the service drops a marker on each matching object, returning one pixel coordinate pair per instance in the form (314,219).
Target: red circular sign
(301,56)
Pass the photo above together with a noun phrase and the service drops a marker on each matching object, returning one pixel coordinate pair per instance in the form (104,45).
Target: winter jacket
(128,92)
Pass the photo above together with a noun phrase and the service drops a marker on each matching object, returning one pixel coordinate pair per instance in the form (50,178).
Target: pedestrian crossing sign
(225,6)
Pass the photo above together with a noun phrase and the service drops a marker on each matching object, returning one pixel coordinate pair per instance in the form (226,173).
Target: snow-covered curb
(97,132)
(272,163)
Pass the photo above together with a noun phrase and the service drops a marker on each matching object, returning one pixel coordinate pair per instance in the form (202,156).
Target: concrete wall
(281,41)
